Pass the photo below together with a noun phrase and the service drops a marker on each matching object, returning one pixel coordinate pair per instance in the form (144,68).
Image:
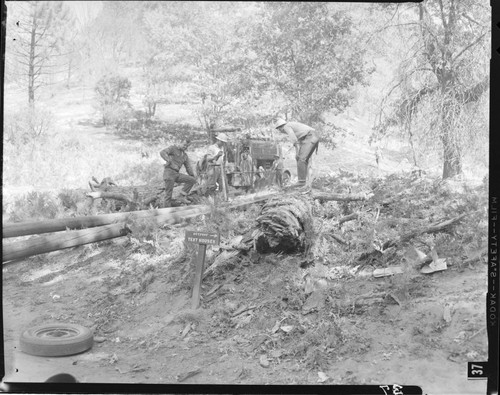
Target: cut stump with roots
(284,225)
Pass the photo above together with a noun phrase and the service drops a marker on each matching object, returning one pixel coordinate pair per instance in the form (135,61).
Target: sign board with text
(202,237)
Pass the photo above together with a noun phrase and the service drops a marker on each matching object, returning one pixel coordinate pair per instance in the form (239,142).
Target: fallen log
(323,197)
(55,225)
(62,240)
(43,244)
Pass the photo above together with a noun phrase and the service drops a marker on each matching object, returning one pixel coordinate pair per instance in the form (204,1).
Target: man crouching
(175,157)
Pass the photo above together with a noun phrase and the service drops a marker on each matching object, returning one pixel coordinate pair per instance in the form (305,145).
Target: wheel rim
(56,333)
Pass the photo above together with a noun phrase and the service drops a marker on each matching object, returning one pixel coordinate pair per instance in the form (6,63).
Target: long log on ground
(324,196)
(43,244)
(62,240)
(55,225)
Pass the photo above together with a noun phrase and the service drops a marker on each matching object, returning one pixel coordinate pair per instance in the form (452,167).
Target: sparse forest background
(416,73)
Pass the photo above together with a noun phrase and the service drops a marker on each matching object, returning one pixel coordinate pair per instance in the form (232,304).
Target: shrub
(75,201)
(112,94)
(27,125)
(113,114)
(35,205)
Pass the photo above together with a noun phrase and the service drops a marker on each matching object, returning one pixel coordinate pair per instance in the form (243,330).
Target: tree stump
(284,225)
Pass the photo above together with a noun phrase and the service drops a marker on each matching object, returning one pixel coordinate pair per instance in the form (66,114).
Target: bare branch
(474,93)
(471,20)
(443,18)
(468,46)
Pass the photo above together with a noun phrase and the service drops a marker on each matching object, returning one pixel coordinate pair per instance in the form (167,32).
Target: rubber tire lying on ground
(56,340)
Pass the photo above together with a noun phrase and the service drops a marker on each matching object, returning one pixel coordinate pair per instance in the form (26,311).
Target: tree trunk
(43,244)
(452,164)
(68,77)
(326,196)
(452,159)
(31,64)
(57,225)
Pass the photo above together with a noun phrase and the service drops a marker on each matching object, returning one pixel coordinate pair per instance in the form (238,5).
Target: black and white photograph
(201,193)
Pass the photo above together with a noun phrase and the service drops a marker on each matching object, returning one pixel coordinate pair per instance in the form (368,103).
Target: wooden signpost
(202,239)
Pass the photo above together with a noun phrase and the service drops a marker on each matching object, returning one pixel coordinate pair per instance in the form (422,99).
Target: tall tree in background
(165,65)
(37,41)
(197,43)
(445,74)
(308,57)
(118,31)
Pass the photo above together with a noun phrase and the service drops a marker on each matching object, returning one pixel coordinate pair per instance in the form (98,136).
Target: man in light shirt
(215,158)
(175,157)
(305,140)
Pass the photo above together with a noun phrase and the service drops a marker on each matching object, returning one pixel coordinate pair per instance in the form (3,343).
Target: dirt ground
(141,319)
(138,305)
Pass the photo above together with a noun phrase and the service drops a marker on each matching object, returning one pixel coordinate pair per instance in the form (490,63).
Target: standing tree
(197,44)
(307,58)
(165,66)
(36,43)
(445,74)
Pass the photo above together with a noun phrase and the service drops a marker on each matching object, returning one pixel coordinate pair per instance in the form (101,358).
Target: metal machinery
(263,155)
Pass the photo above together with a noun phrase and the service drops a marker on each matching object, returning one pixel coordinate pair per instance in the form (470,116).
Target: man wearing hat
(175,157)
(305,140)
(215,158)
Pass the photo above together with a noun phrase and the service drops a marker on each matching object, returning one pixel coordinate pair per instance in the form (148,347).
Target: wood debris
(184,376)
(263,361)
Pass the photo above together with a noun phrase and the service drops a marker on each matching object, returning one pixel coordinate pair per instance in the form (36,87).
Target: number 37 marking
(396,389)
(477,370)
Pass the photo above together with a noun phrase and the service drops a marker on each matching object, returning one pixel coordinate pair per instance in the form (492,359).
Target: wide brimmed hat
(222,137)
(279,122)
